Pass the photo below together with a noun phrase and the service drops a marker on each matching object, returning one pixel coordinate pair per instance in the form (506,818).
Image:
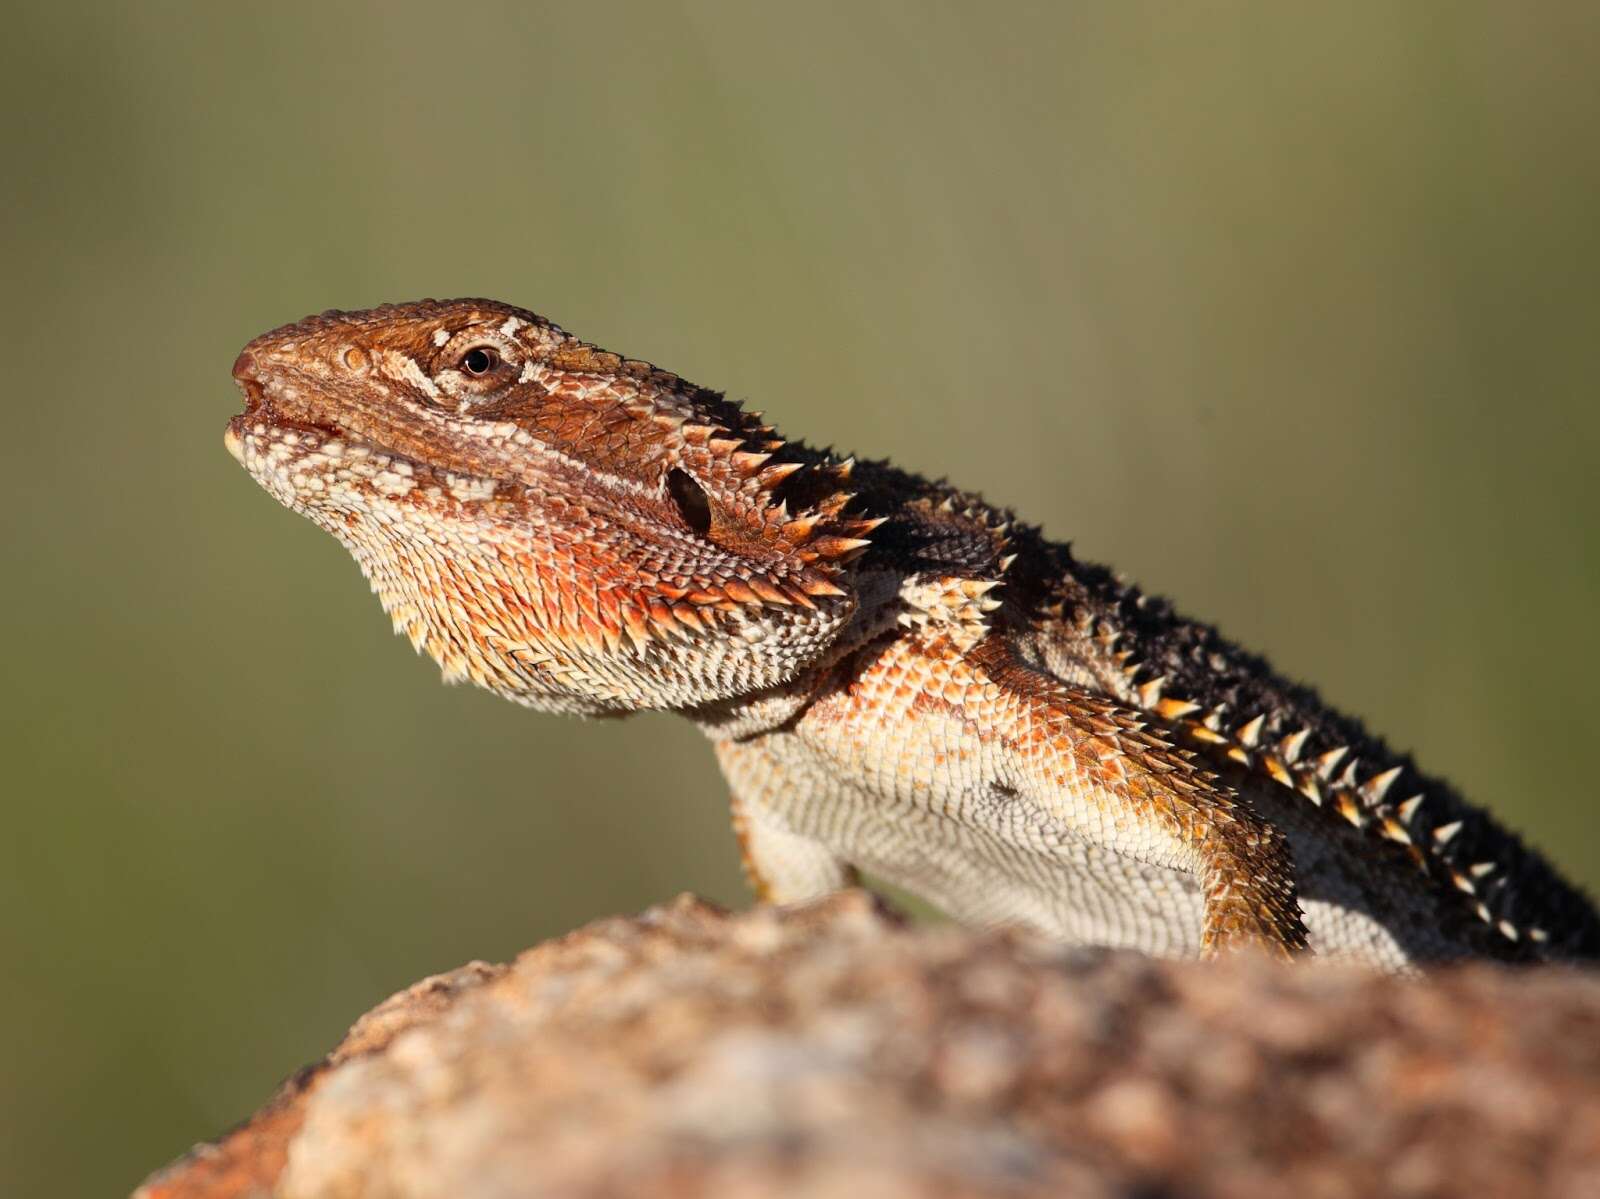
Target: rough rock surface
(828,1052)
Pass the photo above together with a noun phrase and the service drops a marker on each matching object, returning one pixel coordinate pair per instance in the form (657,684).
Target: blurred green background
(1292,312)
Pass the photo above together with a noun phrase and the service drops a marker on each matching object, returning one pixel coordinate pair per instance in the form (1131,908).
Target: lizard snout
(244,367)
(246,373)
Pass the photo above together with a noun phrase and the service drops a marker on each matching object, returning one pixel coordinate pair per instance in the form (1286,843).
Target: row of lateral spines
(799,501)
(1243,712)
(927,526)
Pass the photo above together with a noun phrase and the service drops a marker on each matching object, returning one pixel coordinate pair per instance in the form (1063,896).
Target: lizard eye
(479,360)
(474,365)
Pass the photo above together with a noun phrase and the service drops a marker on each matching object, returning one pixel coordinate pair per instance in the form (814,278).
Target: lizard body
(896,676)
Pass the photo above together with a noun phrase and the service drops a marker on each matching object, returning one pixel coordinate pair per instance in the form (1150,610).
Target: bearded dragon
(896,676)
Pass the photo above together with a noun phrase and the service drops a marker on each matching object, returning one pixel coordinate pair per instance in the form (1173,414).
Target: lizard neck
(876,616)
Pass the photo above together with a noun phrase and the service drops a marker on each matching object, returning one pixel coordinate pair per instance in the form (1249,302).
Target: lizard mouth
(264,395)
(265,410)
(292,441)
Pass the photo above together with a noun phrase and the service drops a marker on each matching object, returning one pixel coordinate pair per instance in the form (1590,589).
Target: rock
(827,1051)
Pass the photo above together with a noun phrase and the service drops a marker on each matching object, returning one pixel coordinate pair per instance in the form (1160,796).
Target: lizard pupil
(478,361)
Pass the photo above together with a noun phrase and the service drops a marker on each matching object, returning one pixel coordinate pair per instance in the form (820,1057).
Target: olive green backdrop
(1291,311)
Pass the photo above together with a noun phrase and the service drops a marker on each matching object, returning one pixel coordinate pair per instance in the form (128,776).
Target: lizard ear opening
(691,500)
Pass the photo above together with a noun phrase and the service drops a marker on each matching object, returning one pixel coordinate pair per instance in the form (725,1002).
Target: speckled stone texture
(828,1051)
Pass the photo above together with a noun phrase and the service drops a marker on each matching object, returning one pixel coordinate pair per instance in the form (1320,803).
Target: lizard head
(577,531)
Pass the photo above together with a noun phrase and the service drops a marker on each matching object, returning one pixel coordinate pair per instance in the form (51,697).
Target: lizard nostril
(244,366)
(355,358)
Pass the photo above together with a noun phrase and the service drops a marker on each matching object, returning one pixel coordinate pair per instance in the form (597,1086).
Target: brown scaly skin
(896,676)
